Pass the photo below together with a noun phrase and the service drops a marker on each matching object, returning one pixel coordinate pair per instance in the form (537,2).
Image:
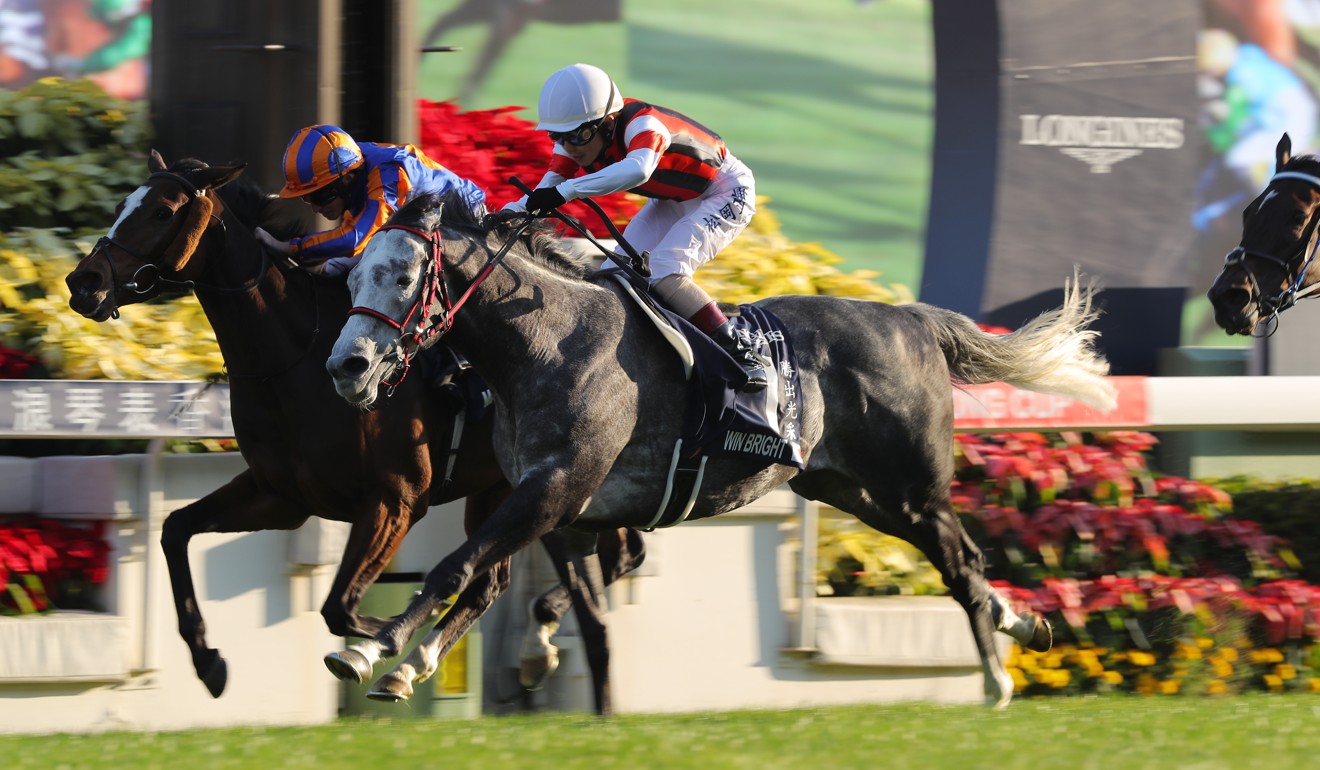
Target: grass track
(1125,733)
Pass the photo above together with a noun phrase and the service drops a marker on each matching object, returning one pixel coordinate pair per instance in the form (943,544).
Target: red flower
(489,146)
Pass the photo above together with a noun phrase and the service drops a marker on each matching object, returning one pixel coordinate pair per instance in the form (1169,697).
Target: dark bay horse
(589,404)
(1274,264)
(308,452)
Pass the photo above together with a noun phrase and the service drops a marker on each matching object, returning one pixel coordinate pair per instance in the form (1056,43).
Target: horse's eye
(163,214)
(402,281)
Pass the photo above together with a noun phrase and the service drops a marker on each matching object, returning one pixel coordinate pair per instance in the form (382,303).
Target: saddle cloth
(720,420)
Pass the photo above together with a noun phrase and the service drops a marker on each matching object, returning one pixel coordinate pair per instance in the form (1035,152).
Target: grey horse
(589,402)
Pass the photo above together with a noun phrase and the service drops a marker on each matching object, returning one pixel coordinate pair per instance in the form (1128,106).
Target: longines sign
(1100,141)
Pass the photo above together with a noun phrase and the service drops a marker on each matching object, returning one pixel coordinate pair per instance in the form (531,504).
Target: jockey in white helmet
(700,196)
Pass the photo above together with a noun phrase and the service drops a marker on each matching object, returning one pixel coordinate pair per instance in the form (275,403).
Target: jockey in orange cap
(359,184)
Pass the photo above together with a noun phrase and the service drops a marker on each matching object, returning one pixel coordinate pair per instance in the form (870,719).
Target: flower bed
(1151,584)
(49,564)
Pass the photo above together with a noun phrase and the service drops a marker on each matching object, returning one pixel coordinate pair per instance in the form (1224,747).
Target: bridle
(151,269)
(1271,306)
(422,324)
(147,278)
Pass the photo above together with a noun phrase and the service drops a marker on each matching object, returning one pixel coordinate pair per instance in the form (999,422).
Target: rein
(1288,296)
(435,288)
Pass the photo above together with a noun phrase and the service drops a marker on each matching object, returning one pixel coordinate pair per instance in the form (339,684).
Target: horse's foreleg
(238,506)
(532,510)
(620,552)
(424,660)
(372,542)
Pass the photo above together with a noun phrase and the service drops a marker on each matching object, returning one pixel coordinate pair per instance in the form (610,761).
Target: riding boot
(757,379)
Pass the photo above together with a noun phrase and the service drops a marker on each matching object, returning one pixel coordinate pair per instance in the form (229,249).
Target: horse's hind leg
(575,559)
(1028,629)
(238,506)
(939,534)
(620,552)
(927,521)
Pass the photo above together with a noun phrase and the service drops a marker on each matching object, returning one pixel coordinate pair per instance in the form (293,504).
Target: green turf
(1122,733)
(829,102)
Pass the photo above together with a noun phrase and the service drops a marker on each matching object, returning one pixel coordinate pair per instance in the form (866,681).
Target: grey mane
(450,210)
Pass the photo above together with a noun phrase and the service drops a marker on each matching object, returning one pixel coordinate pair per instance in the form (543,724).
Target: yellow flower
(1140,658)
(1188,651)
(1313,684)
(1266,655)
(1020,679)
(1273,682)
(1113,677)
(1216,687)
(1205,643)
(1229,654)
(1285,671)
(1169,686)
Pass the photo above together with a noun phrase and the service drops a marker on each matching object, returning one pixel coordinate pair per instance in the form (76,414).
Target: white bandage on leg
(681,294)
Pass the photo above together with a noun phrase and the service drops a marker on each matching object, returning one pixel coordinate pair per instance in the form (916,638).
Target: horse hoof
(534,671)
(214,674)
(999,691)
(1042,634)
(391,690)
(348,665)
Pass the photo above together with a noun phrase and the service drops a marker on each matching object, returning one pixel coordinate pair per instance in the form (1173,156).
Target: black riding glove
(544,200)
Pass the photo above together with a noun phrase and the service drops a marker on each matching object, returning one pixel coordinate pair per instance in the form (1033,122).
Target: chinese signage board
(114,409)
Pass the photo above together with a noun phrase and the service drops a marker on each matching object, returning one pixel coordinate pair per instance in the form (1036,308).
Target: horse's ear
(212,177)
(1282,153)
(199,217)
(432,214)
(155,162)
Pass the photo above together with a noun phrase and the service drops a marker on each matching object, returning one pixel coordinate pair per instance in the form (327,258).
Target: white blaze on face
(131,204)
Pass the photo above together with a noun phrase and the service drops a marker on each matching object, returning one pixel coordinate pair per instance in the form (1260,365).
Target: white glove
(518,205)
(339,266)
(273,243)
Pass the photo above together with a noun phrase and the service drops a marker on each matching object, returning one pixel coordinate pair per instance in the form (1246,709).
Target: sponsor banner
(114,409)
(1003,407)
(1087,158)
(1098,145)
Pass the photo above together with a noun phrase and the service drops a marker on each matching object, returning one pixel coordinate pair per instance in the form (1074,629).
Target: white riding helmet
(575,95)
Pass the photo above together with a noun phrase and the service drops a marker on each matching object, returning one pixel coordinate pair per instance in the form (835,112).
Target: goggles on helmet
(324,196)
(578,136)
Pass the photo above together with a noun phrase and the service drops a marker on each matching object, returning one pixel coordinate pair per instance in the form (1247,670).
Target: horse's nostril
(354,365)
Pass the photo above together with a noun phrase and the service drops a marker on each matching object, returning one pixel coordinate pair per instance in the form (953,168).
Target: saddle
(720,420)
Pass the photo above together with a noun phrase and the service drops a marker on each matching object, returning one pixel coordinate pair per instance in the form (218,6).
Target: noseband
(406,345)
(150,269)
(1285,298)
